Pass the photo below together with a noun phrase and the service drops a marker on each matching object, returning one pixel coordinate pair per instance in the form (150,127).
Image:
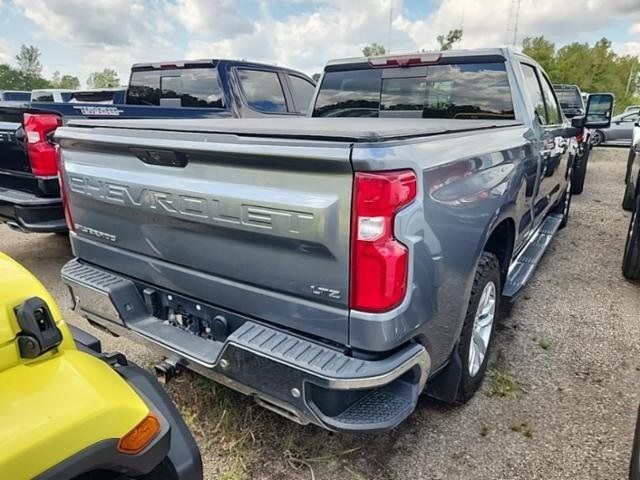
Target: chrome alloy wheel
(482,325)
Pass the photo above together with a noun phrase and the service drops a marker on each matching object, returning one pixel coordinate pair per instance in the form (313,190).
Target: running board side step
(522,268)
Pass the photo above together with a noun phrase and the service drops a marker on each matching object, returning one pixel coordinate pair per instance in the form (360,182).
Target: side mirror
(599,108)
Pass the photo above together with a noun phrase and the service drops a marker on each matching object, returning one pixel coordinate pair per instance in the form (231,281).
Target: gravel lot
(570,350)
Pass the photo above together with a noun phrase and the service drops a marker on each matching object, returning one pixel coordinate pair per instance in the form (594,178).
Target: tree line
(594,68)
(27,75)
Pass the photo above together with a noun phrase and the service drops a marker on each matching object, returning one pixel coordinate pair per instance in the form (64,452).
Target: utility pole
(633,66)
(511,32)
(389,27)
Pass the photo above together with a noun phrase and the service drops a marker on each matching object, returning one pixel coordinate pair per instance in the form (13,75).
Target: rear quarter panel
(468,184)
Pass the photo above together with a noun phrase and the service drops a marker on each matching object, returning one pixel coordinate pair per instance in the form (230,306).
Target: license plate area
(190,316)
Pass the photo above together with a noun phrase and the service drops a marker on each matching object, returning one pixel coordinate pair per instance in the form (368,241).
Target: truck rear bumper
(301,379)
(30,213)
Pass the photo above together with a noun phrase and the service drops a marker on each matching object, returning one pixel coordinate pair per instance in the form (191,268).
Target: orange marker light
(139,437)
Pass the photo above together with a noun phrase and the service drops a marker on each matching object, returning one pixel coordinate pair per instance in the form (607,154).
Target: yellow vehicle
(68,411)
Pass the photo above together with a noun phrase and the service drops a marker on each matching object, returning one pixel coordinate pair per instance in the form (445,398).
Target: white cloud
(107,33)
(485,24)
(5,49)
(206,17)
(626,48)
(117,33)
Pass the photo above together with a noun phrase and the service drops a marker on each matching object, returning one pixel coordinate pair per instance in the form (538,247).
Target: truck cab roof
(430,56)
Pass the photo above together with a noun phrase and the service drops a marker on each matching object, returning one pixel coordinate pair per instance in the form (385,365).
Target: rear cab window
(179,87)
(450,90)
(262,90)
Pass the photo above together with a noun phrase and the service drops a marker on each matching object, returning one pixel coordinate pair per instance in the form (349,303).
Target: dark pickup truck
(29,192)
(328,267)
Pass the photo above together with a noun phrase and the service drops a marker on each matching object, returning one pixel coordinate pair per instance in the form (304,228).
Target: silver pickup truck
(332,268)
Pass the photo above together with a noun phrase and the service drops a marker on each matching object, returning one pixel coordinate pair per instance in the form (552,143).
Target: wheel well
(500,243)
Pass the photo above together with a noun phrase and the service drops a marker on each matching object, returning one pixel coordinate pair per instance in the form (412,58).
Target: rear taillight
(580,136)
(63,191)
(379,262)
(41,152)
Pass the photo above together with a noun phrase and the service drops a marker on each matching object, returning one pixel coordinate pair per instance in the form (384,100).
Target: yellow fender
(58,404)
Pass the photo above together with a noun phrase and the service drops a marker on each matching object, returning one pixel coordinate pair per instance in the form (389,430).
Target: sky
(78,37)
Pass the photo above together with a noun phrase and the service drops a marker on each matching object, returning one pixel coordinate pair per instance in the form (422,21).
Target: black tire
(488,270)
(628,199)
(564,206)
(598,138)
(579,173)
(631,259)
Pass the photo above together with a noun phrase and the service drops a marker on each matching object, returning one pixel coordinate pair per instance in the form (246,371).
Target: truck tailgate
(256,225)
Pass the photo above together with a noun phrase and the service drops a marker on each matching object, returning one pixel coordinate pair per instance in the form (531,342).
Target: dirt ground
(560,404)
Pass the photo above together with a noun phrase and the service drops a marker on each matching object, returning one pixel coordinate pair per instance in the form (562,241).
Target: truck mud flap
(303,380)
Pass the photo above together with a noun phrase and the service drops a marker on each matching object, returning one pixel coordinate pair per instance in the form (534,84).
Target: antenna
(511,32)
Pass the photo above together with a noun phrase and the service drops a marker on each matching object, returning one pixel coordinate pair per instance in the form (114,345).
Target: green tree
(65,81)
(373,49)
(14,79)
(542,51)
(447,41)
(29,60)
(594,68)
(104,79)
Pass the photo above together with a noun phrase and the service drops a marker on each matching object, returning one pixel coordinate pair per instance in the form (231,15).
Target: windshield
(457,91)
(569,98)
(179,87)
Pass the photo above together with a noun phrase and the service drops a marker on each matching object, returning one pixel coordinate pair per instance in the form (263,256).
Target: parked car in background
(572,105)
(632,109)
(619,132)
(50,95)
(631,201)
(99,95)
(14,96)
(329,267)
(29,192)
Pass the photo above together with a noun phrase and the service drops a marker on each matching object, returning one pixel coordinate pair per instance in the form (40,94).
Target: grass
(502,384)
(240,440)
(544,344)
(523,427)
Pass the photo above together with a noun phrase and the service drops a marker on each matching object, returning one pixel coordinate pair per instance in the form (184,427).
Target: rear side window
(16,96)
(302,93)
(569,97)
(353,93)
(180,87)
(262,90)
(553,109)
(455,91)
(535,93)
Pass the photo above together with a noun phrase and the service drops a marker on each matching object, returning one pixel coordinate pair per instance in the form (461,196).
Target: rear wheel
(598,138)
(629,197)
(631,259)
(477,331)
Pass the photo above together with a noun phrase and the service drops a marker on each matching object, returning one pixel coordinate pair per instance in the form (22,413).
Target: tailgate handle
(163,158)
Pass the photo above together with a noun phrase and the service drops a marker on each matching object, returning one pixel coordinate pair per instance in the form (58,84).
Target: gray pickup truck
(329,267)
